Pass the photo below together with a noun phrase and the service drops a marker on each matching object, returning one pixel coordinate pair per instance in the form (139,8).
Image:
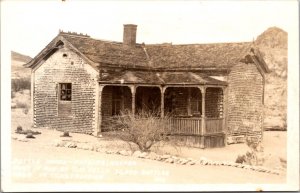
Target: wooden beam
(203,91)
(225,113)
(162,101)
(98,110)
(133,92)
(189,110)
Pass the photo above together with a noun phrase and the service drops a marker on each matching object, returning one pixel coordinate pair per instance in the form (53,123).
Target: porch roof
(158,78)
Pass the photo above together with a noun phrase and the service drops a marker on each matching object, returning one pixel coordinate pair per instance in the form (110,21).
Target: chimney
(129,35)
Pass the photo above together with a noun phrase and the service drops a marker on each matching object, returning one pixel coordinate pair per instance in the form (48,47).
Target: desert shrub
(254,156)
(21,104)
(20,84)
(65,134)
(19,128)
(143,129)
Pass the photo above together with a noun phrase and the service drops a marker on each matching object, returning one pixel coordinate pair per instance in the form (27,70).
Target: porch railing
(192,126)
(185,126)
(213,125)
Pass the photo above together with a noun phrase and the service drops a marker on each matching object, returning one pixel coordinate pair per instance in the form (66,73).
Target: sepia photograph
(149,95)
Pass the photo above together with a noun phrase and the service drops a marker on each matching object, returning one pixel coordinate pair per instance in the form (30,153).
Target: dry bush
(20,84)
(143,129)
(253,157)
(21,104)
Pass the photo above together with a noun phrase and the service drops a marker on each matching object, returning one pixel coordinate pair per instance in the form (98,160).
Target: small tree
(143,129)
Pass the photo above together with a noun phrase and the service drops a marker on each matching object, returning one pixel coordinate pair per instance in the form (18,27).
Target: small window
(65,91)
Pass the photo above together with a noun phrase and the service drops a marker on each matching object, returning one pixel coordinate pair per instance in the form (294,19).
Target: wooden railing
(193,126)
(185,126)
(213,125)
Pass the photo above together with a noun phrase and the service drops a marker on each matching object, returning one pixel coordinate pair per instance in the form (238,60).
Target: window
(65,91)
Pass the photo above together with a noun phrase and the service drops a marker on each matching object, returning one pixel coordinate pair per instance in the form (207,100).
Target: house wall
(245,100)
(71,69)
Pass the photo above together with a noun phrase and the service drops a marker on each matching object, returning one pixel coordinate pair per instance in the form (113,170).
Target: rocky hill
(273,43)
(17,68)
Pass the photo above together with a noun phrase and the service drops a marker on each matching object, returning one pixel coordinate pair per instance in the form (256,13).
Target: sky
(31,25)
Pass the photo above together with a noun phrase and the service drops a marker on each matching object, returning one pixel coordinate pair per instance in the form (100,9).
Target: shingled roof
(109,52)
(204,56)
(161,55)
(159,78)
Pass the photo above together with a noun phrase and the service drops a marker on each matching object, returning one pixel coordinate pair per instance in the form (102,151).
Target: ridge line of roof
(155,44)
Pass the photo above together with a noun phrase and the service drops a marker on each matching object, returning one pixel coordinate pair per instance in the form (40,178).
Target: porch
(197,112)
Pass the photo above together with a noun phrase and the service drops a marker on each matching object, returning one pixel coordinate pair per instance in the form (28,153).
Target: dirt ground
(38,161)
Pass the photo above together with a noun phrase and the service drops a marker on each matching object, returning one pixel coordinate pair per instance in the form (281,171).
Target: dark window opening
(65,55)
(65,91)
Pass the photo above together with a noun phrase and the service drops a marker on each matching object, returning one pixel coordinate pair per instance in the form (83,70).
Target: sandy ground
(38,161)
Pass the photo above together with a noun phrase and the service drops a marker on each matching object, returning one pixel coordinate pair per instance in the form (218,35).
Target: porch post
(133,91)
(225,114)
(203,90)
(162,101)
(189,110)
(98,109)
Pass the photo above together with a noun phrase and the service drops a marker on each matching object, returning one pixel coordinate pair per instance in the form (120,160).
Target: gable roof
(204,56)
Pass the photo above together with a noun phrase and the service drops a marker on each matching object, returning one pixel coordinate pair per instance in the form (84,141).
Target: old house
(213,92)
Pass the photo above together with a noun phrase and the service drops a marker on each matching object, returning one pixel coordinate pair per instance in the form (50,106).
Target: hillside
(273,43)
(17,68)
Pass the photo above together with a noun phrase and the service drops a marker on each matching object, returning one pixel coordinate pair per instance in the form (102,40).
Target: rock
(124,153)
(30,135)
(166,156)
(152,156)
(158,158)
(230,140)
(169,160)
(183,161)
(71,145)
(191,162)
(129,152)
(136,153)
(247,167)
(110,151)
(100,149)
(143,155)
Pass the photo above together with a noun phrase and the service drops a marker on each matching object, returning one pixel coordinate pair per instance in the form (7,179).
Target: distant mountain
(17,65)
(20,57)
(273,37)
(274,43)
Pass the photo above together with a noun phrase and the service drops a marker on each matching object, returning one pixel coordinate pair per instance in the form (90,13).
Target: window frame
(66,89)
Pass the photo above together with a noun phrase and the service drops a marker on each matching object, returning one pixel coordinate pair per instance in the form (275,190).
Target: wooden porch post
(98,110)
(133,91)
(162,101)
(225,114)
(203,90)
(189,110)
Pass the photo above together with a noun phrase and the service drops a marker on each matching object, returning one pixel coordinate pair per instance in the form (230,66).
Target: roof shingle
(160,55)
